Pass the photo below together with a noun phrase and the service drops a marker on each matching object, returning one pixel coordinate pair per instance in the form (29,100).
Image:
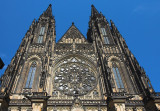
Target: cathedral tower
(76,74)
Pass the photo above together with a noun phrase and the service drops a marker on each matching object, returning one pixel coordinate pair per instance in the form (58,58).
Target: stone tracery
(74,75)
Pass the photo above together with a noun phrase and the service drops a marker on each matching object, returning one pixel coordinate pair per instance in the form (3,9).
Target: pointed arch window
(117,76)
(103,30)
(104,33)
(41,34)
(106,40)
(42,30)
(40,39)
(31,75)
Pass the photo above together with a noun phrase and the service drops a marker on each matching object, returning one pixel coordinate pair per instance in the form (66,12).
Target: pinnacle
(49,8)
(48,12)
(50,5)
(92,5)
(112,23)
(94,11)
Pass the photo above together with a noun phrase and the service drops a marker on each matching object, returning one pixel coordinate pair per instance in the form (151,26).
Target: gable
(73,35)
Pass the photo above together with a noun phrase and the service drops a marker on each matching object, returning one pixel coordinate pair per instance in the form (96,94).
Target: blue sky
(137,20)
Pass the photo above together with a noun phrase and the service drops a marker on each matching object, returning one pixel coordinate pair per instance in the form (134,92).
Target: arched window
(41,34)
(103,30)
(40,39)
(31,74)
(106,40)
(104,33)
(117,76)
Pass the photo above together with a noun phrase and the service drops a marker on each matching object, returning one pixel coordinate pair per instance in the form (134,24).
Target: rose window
(74,77)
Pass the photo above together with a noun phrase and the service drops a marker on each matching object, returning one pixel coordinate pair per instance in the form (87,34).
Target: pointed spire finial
(94,11)
(111,22)
(50,5)
(34,20)
(92,5)
(72,23)
(48,12)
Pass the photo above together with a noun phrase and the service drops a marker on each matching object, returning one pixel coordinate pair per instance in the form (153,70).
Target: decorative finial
(111,22)
(72,23)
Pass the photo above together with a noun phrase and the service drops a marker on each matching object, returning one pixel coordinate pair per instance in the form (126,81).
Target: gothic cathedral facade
(75,74)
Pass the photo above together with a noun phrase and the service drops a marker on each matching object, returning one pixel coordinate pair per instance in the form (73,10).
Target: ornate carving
(74,76)
(42,81)
(77,105)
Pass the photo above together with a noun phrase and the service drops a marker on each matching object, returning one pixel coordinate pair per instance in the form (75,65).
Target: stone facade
(76,74)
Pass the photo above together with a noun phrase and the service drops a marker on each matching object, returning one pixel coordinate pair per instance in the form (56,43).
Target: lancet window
(117,76)
(31,75)
(103,30)
(41,34)
(106,40)
(40,39)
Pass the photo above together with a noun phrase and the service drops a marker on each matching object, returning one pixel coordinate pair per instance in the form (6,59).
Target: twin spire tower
(75,74)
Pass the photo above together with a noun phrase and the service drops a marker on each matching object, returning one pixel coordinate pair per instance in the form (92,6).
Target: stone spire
(48,12)
(94,11)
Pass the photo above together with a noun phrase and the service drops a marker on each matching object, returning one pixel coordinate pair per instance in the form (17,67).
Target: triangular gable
(73,35)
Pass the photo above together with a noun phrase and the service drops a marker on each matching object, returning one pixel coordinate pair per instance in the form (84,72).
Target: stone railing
(70,102)
(63,48)
(111,49)
(134,102)
(78,48)
(119,94)
(94,102)
(59,102)
(36,48)
(20,102)
(37,45)
(85,48)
